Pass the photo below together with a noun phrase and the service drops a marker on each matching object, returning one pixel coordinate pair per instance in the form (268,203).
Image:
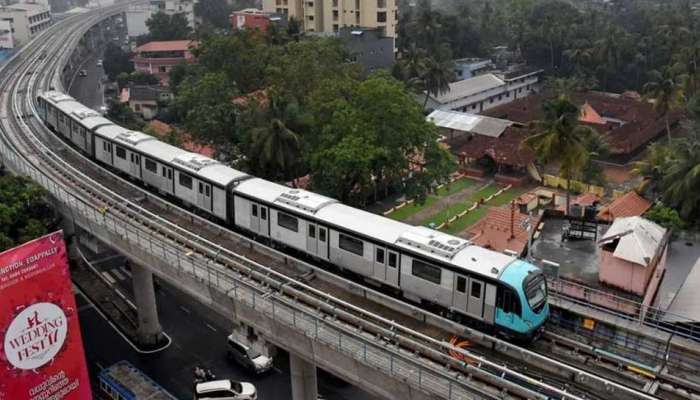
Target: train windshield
(536,291)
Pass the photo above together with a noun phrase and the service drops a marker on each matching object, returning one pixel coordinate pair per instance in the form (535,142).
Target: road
(85,88)
(199,337)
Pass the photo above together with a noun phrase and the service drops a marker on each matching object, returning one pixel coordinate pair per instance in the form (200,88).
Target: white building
(6,38)
(138,14)
(26,20)
(482,92)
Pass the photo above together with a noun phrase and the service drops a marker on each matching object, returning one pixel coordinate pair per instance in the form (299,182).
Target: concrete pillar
(149,330)
(70,235)
(303,375)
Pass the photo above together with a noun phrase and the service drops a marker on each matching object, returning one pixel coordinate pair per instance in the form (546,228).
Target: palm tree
(439,71)
(665,90)
(681,181)
(559,138)
(654,165)
(275,148)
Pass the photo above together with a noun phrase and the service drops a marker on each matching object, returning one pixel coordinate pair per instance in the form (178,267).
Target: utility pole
(527,224)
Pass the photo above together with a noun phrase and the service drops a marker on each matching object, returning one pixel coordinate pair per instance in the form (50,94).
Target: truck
(123,381)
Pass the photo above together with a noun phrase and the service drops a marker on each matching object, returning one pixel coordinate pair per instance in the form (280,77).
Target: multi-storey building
(6,37)
(331,15)
(171,7)
(26,20)
(158,58)
(138,14)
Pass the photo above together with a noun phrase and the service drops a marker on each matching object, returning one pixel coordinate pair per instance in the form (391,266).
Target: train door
(254,218)
(476,298)
(322,249)
(204,195)
(311,238)
(167,181)
(460,297)
(379,263)
(490,303)
(264,225)
(392,268)
(135,168)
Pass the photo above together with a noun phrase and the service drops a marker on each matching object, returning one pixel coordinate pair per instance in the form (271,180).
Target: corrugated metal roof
(466,122)
(469,87)
(639,239)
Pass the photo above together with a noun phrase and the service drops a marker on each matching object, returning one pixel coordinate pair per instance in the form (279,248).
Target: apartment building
(6,37)
(171,7)
(331,15)
(158,58)
(26,20)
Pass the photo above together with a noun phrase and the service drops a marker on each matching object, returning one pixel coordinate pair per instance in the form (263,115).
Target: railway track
(82,177)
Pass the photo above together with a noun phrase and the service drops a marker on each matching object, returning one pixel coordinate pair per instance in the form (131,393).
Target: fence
(578,186)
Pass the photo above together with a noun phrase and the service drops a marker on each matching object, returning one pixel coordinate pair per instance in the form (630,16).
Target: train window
(136,159)
(426,271)
(393,259)
(312,231)
(380,256)
(104,146)
(121,153)
(508,301)
(207,191)
(476,289)
(163,172)
(288,222)
(170,174)
(201,188)
(254,210)
(351,244)
(185,180)
(461,284)
(151,165)
(263,213)
(322,234)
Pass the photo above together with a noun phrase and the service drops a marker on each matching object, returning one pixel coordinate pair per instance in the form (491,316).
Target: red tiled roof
(584,199)
(493,231)
(260,96)
(504,150)
(640,124)
(169,45)
(629,205)
(161,129)
(590,115)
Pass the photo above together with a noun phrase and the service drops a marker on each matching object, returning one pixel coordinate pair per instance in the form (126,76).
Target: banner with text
(41,350)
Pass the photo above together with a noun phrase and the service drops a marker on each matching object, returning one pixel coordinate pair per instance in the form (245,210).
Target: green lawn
(410,209)
(456,186)
(466,221)
(457,208)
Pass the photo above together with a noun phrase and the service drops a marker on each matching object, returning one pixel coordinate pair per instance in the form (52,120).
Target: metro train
(473,285)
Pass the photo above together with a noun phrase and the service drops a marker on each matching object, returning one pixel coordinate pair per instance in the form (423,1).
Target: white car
(225,389)
(247,357)
(99,63)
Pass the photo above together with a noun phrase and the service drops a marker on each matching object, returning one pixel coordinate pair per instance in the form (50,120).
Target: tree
(439,71)
(665,216)
(162,26)
(560,139)
(654,165)
(24,211)
(121,114)
(213,12)
(665,90)
(681,178)
(372,134)
(116,61)
(275,149)
(206,108)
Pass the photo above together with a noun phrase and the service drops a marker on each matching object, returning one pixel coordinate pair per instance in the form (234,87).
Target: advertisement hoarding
(41,349)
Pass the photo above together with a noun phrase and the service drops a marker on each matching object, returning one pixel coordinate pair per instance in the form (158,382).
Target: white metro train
(473,284)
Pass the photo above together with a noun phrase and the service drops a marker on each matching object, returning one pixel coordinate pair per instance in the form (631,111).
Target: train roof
(289,198)
(161,151)
(360,221)
(208,168)
(56,97)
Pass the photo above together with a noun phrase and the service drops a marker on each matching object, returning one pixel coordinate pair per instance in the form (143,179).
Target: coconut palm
(558,138)
(653,167)
(275,148)
(681,181)
(665,90)
(438,72)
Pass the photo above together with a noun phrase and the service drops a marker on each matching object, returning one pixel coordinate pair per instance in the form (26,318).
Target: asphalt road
(85,88)
(199,337)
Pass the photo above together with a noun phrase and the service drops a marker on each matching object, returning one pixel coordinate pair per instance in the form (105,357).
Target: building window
(162,68)
(151,166)
(500,97)
(381,16)
(426,271)
(380,256)
(461,284)
(185,180)
(473,106)
(288,222)
(381,3)
(351,244)
(335,15)
(121,153)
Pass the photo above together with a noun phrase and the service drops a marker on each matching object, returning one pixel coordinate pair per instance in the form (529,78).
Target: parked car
(83,72)
(247,357)
(225,389)
(99,63)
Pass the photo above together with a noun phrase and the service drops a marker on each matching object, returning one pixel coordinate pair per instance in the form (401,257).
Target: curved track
(24,135)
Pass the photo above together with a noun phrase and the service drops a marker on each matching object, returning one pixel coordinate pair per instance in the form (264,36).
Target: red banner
(41,350)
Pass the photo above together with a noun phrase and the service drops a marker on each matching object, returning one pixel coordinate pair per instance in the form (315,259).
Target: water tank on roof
(575,210)
(590,213)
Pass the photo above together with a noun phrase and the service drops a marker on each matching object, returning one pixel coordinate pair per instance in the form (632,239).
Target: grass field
(454,187)
(507,196)
(466,221)
(455,209)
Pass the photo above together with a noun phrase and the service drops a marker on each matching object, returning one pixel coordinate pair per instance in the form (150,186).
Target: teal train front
(522,311)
